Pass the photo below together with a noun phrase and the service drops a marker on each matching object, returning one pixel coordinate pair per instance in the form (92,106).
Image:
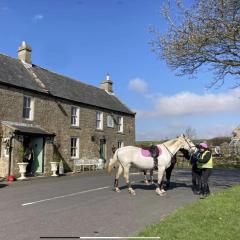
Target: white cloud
(138,85)
(188,103)
(38,17)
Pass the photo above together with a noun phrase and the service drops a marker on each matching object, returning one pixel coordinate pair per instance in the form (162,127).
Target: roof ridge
(72,79)
(37,66)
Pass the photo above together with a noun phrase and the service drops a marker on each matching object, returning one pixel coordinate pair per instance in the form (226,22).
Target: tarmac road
(84,205)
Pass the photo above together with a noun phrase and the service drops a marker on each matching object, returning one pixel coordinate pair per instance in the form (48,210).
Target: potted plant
(55,162)
(21,164)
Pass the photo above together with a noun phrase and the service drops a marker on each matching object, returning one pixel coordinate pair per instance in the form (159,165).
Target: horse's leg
(145,177)
(126,176)
(151,176)
(119,172)
(159,189)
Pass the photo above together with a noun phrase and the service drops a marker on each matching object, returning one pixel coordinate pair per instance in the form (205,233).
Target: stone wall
(54,115)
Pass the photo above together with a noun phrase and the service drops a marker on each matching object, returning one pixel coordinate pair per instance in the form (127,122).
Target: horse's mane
(170,142)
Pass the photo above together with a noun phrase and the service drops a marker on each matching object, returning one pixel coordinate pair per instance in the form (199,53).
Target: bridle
(171,154)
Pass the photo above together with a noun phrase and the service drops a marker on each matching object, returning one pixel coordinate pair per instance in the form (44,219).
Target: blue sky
(85,39)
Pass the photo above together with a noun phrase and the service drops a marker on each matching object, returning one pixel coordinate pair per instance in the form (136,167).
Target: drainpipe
(10,177)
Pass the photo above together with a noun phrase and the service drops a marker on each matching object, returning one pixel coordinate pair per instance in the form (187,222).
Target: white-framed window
(120,144)
(6,152)
(99,120)
(74,141)
(120,123)
(110,121)
(75,116)
(28,108)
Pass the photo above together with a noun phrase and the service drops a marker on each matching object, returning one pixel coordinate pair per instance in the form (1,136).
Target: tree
(207,33)
(191,133)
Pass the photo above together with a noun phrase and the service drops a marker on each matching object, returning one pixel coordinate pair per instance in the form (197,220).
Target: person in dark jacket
(196,173)
(205,163)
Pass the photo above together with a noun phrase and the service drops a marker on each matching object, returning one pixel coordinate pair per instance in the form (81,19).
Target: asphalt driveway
(84,205)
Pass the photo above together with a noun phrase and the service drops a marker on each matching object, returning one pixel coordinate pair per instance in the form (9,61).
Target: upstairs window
(99,120)
(28,108)
(75,116)
(74,147)
(120,124)
(110,122)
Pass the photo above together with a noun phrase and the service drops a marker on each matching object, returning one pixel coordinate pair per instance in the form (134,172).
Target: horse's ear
(183,135)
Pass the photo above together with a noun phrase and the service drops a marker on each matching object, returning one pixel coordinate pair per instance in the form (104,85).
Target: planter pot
(54,168)
(100,164)
(22,170)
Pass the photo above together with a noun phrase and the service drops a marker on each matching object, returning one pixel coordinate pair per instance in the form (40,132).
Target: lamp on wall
(93,138)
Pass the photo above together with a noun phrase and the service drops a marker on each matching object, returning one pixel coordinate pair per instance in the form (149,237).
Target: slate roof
(13,72)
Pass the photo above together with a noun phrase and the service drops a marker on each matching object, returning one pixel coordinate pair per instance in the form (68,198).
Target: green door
(37,144)
(103,149)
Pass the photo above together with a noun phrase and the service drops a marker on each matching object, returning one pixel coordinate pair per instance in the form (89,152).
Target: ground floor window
(120,144)
(74,147)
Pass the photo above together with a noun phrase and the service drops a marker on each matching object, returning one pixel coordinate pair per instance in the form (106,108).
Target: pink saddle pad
(146,153)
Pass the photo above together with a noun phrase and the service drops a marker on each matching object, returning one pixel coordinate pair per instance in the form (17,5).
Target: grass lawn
(216,217)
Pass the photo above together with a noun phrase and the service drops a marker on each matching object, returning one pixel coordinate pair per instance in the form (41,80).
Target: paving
(84,205)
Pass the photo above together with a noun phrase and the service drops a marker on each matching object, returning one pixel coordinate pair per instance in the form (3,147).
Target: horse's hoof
(132,192)
(146,182)
(158,191)
(163,193)
(116,190)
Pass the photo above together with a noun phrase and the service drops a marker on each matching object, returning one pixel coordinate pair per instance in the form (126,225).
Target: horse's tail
(113,161)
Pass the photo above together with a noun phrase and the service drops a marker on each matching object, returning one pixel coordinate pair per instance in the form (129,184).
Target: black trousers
(206,172)
(196,178)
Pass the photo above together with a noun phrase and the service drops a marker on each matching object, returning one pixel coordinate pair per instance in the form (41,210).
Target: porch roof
(23,128)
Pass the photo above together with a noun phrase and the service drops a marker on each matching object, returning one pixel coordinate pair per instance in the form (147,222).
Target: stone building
(57,117)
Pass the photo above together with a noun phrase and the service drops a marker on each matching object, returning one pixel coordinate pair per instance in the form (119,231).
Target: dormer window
(28,108)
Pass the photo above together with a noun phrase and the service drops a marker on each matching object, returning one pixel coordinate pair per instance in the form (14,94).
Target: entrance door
(103,149)
(37,144)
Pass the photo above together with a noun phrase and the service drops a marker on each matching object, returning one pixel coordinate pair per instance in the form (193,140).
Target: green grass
(227,165)
(216,217)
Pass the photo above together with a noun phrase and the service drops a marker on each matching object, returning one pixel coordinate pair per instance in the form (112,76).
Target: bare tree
(191,133)
(207,33)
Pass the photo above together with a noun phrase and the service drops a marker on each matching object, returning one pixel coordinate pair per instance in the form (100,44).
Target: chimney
(24,53)
(107,84)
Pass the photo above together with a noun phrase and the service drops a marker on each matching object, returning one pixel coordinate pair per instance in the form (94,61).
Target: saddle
(151,151)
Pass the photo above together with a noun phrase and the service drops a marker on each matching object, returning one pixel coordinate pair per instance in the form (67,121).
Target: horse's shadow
(3,185)
(152,186)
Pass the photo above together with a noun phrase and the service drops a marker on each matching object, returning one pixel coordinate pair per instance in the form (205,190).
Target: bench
(85,163)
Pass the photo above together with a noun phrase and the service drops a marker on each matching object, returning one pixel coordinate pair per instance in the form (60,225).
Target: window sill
(99,130)
(122,133)
(75,127)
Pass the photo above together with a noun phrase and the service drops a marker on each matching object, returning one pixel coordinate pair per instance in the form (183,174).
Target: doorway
(103,149)
(36,146)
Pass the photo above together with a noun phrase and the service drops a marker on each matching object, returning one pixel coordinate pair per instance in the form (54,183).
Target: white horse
(130,155)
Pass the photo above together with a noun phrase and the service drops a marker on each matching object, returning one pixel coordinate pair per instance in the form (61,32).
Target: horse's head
(187,144)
